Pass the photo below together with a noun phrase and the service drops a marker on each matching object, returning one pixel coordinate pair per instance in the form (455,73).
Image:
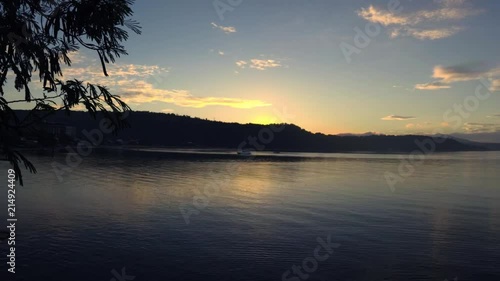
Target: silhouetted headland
(170,130)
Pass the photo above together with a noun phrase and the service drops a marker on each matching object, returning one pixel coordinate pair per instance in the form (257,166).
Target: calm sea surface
(151,215)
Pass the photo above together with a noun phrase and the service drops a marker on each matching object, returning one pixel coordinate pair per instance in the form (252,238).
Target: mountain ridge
(171,130)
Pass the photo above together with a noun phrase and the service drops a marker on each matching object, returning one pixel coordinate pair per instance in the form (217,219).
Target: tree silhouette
(36,38)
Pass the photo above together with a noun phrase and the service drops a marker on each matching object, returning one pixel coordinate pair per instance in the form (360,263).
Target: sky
(390,67)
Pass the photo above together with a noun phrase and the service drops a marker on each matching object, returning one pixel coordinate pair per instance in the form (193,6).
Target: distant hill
(159,129)
(486,137)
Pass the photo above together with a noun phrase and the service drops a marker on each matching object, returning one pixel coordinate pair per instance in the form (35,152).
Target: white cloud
(116,72)
(259,64)
(427,34)
(225,29)
(383,17)
(241,63)
(418,24)
(264,64)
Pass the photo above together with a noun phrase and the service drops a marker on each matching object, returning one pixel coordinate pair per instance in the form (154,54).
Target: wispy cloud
(397,118)
(481,127)
(139,84)
(259,64)
(383,17)
(495,85)
(424,125)
(464,72)
(218,52)
(241,63)
(447,3)
(142,92)
(422,24)
(119,74)
(410,126)
(264,64)
(461,73)
(225,29)
(426,34)
(76,57)
(432,86)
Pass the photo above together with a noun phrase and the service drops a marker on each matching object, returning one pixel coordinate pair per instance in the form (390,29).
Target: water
(121,210)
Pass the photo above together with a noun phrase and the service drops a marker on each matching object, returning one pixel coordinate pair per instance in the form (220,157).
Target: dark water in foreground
(121,211)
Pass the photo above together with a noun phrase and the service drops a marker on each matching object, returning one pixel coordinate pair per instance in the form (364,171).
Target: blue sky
(251,60)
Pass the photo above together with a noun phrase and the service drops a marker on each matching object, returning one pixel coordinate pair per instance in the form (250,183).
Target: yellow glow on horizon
(263,120)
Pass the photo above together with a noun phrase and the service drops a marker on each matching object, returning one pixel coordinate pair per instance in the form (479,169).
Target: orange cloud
(142,92)
(138,84)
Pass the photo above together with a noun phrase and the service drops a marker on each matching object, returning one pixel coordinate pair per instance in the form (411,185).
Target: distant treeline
(159,129)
